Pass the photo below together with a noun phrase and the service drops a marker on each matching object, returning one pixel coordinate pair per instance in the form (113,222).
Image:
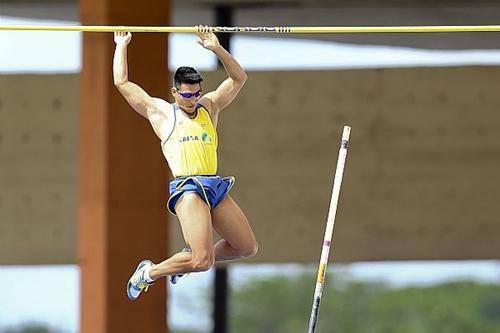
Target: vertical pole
(223,17)
(220,299)
(325,252)
(122,174)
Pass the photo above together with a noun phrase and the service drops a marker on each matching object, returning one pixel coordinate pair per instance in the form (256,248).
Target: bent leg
(194,217)
(232,225)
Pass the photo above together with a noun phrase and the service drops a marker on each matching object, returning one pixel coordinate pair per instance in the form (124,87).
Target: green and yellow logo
(205,137)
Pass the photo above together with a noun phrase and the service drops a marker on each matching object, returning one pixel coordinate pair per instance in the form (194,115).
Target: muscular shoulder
(207,103)
(158,108)
(162,104)
(161,117)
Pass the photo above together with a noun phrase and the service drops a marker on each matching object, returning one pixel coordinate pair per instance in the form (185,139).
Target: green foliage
(283,305)
(29,328)
(184,331)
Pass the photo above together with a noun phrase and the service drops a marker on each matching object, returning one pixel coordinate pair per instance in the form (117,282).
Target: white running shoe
(137,283)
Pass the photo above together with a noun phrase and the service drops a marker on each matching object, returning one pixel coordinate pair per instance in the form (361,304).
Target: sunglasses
(188,95)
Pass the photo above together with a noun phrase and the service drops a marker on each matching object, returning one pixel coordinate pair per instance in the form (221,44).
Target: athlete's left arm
(229,88)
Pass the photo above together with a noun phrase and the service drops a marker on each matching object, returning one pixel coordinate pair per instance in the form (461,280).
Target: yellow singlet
(191,148)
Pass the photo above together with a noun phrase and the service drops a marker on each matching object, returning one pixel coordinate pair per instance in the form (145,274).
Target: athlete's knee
(249,250)
(202,265)
(202,262)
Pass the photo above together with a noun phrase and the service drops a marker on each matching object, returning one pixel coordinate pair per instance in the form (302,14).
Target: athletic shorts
(212,189)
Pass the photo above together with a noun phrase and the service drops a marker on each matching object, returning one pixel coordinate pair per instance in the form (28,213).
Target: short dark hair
(187,75)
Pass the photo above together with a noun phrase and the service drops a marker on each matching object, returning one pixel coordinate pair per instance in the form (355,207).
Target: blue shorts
(212,189)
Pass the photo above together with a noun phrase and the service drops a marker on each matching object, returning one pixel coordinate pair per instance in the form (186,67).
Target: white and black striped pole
(327,241)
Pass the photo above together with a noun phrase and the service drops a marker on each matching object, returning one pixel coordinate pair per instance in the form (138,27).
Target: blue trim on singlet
(175,107)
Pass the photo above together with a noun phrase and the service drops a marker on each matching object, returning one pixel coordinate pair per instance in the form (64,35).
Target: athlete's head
(187,88)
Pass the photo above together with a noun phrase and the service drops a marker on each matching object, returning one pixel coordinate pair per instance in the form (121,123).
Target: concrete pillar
(122,175)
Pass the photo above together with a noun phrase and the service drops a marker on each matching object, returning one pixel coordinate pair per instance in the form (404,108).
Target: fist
(208,40)
(122,38)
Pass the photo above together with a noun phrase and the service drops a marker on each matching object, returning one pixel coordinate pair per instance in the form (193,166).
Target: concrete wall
(422,175)
(38,140)
(421,179)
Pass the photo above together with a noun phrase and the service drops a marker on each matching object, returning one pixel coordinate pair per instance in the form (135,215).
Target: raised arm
(138,99)
(230,87)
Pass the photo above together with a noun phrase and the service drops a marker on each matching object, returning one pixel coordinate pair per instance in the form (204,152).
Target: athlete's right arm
(138,99)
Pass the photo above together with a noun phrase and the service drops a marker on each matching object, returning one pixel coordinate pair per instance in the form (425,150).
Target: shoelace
(140,283)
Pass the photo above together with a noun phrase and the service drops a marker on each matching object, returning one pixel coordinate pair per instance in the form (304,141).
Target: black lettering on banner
(247,29)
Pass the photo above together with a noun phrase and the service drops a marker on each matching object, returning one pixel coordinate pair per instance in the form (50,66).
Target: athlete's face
(186,96)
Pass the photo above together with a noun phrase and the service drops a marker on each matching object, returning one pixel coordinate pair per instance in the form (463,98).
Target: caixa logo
(189,138)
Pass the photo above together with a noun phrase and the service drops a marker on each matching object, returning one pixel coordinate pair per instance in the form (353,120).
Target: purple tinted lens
(190,95)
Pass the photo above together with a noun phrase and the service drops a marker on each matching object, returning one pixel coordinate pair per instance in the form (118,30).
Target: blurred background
(83,182)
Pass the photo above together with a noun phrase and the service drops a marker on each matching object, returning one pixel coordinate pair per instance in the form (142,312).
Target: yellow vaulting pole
(284,30)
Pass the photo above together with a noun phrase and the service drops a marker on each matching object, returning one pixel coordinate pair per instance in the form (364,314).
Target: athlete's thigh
(230,223)
(194,217)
